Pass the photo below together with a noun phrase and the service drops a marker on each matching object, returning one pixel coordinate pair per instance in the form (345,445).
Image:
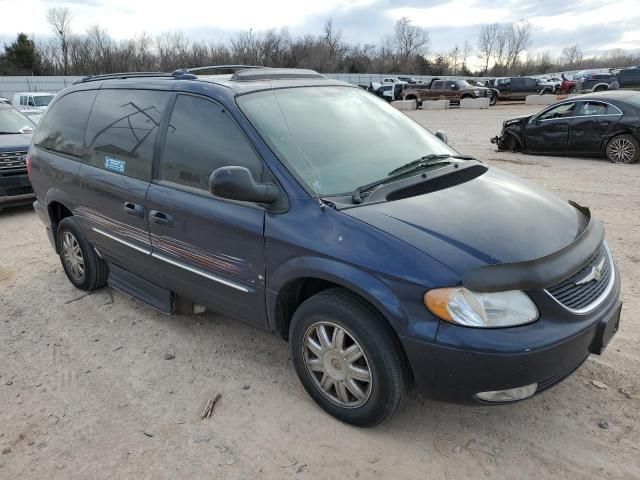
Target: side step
(140,289)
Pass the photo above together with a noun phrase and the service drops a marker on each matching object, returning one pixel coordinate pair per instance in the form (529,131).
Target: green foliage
(20,57)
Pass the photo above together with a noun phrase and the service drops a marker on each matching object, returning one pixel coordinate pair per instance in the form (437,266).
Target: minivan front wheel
(84,268)
(347,358)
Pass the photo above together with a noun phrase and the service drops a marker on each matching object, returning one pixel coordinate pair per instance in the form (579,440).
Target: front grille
(13,161)
(578,296)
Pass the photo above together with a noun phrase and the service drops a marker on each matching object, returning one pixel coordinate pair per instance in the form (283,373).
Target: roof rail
(123,75)
(219,67)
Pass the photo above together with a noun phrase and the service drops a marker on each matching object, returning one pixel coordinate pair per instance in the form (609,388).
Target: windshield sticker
(114,164)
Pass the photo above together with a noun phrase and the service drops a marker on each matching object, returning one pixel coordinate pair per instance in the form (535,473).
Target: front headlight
(487,310)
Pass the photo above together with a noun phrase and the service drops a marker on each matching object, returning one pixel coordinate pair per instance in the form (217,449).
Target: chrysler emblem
(594,274)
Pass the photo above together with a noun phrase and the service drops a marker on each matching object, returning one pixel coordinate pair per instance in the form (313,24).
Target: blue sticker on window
(114,164)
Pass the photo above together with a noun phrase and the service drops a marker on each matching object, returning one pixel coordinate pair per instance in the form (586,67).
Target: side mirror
(236,183)
(442,136)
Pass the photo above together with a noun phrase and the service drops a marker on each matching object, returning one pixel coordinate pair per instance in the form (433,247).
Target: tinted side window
(517,83)
(202,137)
(530,83)
(437,85)
(62,128)
(122,130)
(593,108)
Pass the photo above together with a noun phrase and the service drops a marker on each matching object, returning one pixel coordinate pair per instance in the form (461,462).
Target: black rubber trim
(542,272)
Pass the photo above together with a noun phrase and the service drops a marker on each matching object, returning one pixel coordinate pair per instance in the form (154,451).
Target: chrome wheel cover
(621,150)
(337,364)
(72,256)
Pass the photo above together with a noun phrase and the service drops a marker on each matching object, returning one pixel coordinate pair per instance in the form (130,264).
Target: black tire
(572,90)
(95,270)
(509,144)
(623,149)
(601,88)
(383,356)
(493,100)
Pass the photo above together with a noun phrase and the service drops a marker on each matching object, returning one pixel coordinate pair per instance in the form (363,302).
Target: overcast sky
(596,25)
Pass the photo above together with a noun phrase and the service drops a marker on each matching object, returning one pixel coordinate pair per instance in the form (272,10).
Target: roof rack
(219,67)
(123,75)
(265,73)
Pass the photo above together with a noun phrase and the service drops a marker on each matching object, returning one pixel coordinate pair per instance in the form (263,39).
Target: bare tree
(571,55)
(453,58)
(60,20)
(487,42)
(518,40)
(466,51)
(409,39)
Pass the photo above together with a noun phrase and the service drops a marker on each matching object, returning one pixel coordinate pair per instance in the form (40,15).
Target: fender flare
(60,196)
(360,282)
(601,84)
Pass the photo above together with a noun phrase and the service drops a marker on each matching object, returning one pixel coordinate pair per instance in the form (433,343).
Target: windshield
(42,100)
(12,121)
(337,138)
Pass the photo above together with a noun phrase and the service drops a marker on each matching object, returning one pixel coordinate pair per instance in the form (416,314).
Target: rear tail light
(28,162)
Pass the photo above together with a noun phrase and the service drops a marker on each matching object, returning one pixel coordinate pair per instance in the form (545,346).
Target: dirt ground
(86,391)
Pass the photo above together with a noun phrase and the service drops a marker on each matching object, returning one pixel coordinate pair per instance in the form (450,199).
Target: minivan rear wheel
(84,268)
(347,358)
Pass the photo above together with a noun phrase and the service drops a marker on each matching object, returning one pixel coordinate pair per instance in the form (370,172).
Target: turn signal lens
(485,310)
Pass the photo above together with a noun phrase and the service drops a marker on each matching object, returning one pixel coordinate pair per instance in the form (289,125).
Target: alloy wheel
(621,150)
(72,255)
(337,364)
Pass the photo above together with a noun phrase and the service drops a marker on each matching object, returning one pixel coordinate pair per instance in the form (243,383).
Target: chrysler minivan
(315,210)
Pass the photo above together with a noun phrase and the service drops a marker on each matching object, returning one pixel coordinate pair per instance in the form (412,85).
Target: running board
(156,297)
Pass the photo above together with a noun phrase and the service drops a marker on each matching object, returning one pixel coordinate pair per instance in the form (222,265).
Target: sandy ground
(86,392)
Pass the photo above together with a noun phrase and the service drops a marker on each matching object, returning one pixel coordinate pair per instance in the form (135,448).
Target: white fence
(11,85)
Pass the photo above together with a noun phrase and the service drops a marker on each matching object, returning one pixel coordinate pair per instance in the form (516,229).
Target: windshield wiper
(422,162)
(425,161)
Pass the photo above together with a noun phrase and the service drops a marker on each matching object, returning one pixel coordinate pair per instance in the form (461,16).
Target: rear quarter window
(63,127)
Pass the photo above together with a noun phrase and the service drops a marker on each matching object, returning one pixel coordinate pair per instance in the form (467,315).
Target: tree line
(502,49)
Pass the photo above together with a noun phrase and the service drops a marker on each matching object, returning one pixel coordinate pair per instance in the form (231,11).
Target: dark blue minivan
(312,209)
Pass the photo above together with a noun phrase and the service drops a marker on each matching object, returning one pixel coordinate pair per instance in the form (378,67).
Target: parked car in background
(628,78)
(32,100)
(15,137)
(599,124)
(383,256)
(567,86)
(452,90)
(409,80)
(4,100)
(595,82)
(517,88)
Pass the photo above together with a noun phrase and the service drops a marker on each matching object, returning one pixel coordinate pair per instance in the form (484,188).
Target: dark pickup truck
(452,90)
(517,88)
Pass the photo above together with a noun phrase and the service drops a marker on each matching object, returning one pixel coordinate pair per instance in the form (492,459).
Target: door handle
(134,209)
(160,218)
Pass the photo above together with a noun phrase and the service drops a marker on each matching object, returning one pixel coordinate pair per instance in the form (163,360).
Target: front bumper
(15,189)
(465,361)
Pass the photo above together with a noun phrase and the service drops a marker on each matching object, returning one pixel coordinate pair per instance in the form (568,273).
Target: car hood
(516,120)
(494,218)
(17,141)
